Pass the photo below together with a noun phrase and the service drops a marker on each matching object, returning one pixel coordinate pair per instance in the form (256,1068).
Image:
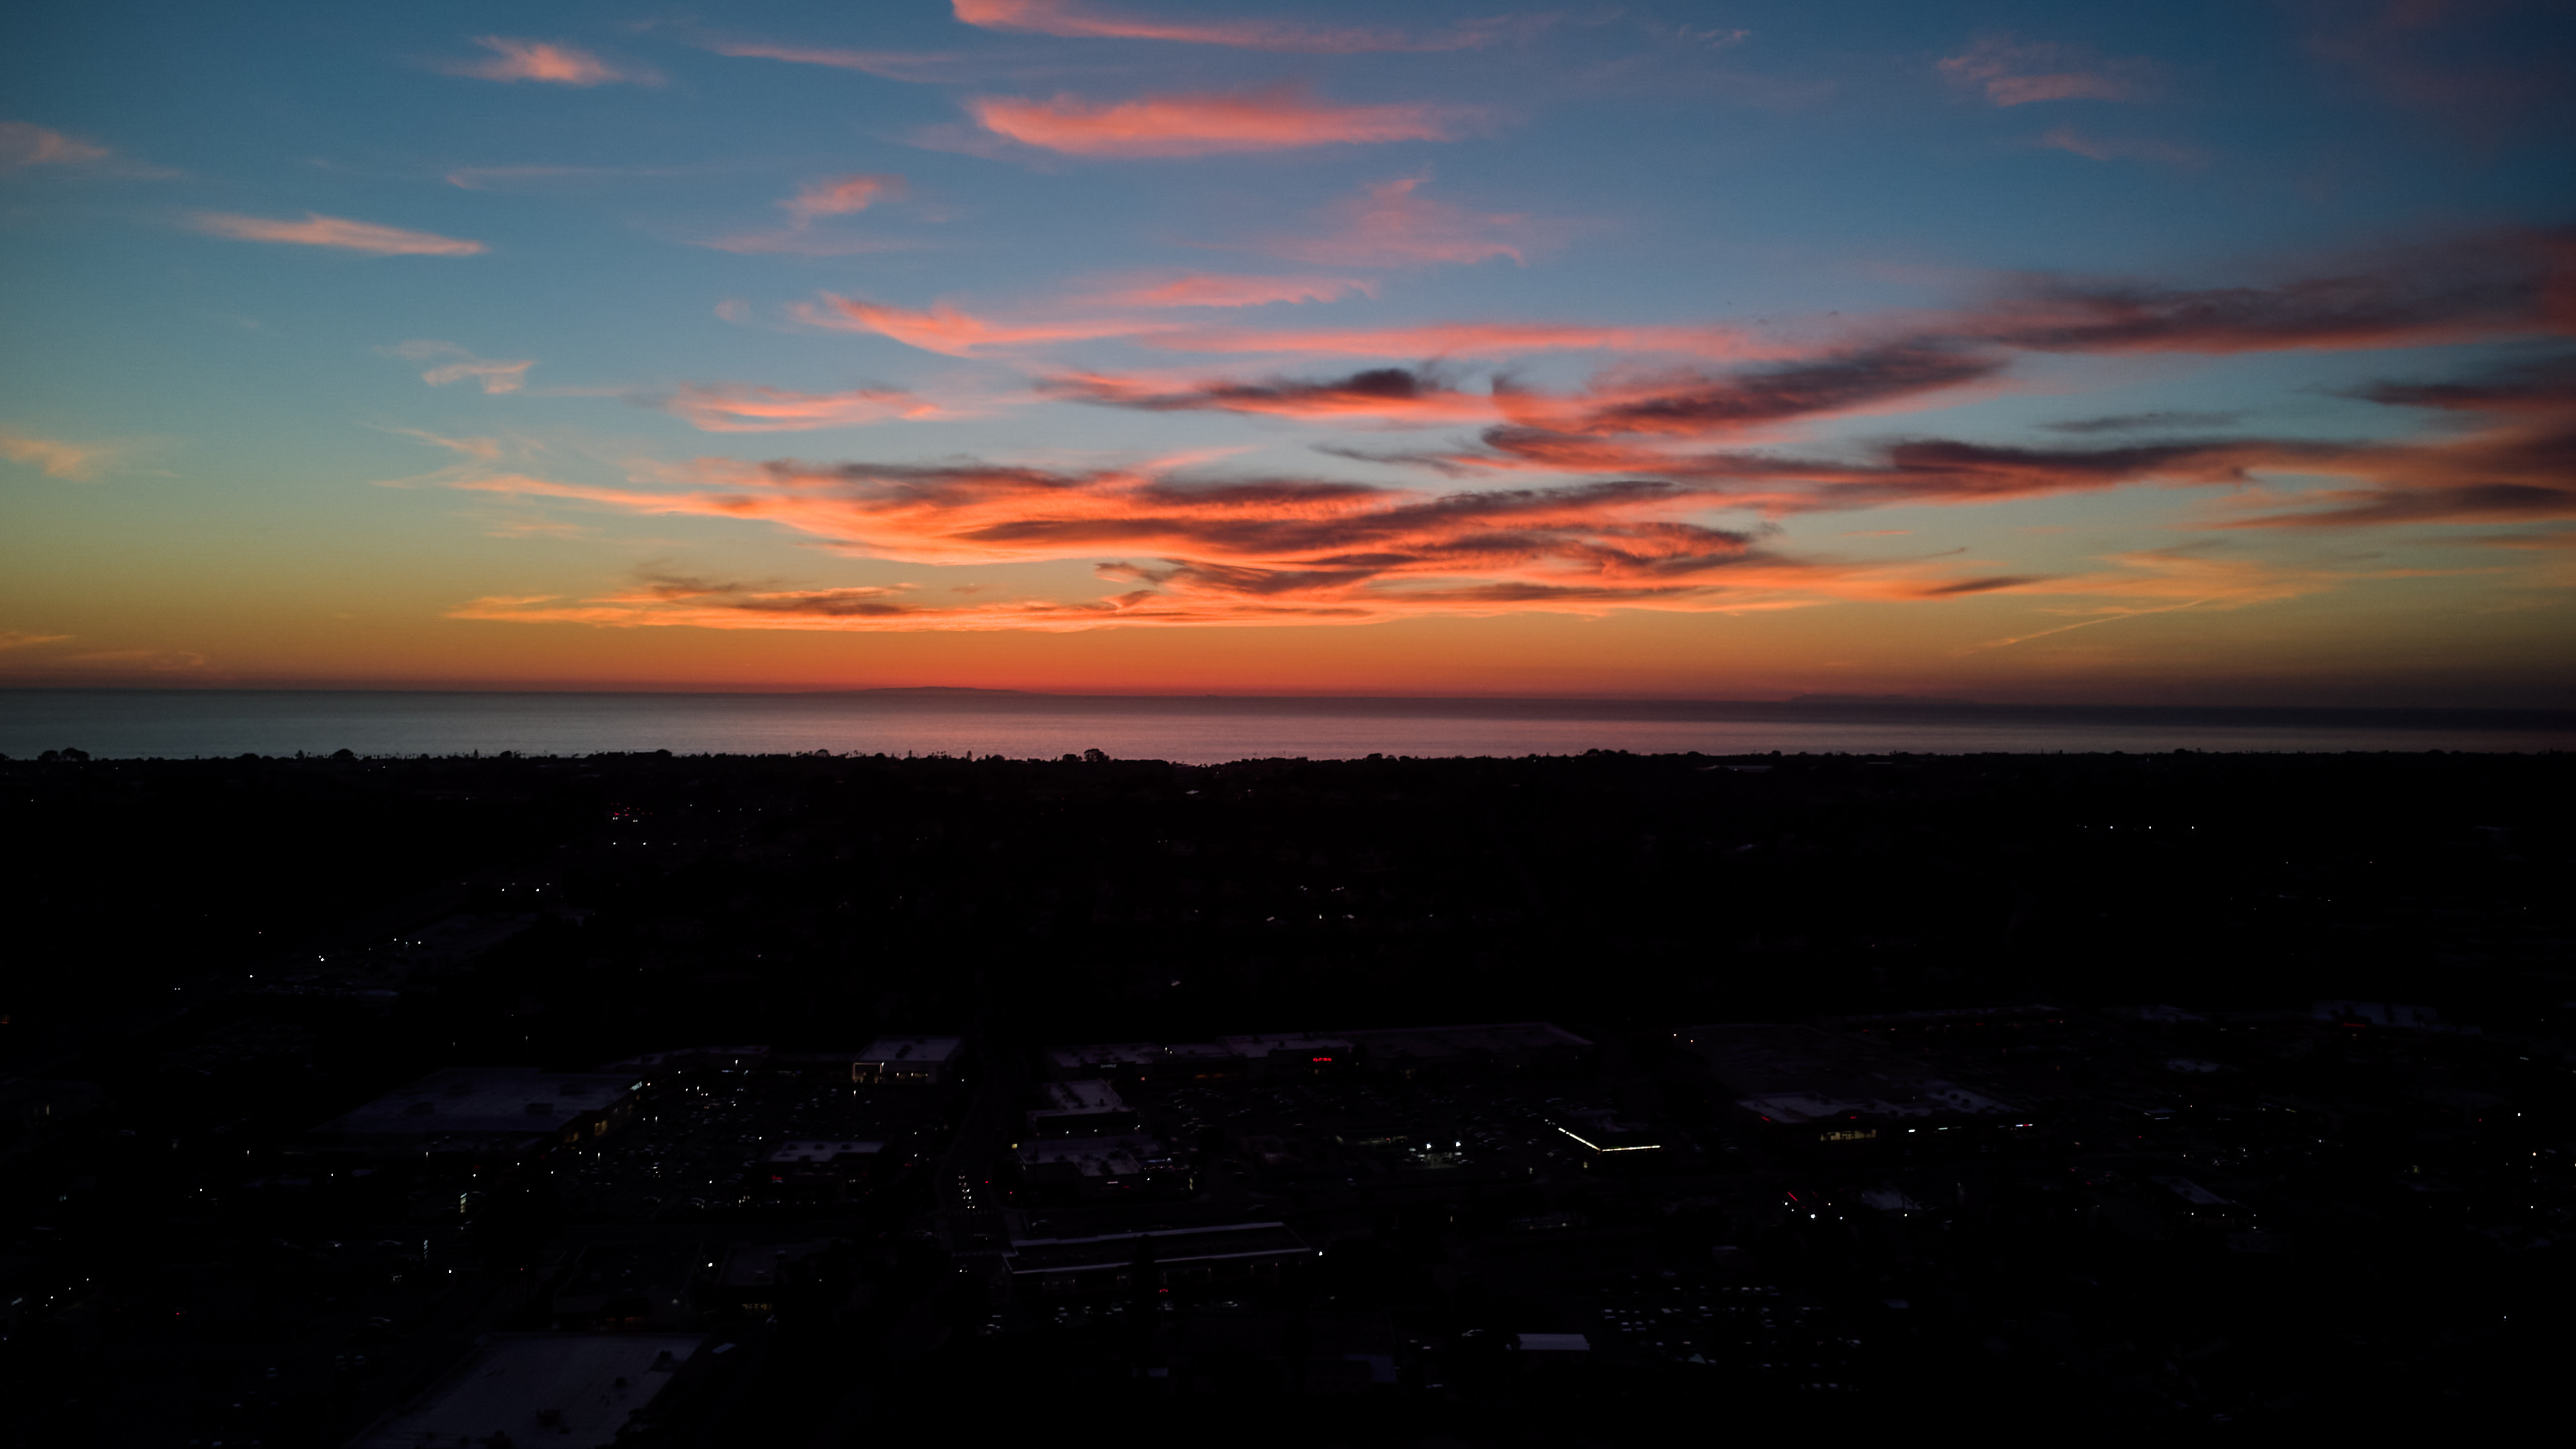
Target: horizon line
(1815,700)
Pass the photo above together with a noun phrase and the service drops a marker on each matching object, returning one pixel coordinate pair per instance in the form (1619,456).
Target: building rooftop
(821,1151)
(575,1390)
(477,1108)
(921,1049)
(1091,1096)
(1800,1074)
(1493,1038)
(1288,1044)
(1095,1156)
(757,1266)
(1176,1245)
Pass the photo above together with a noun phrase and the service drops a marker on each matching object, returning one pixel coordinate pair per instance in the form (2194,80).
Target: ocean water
(1209,730)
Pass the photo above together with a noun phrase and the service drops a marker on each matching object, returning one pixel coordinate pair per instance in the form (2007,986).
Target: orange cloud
(455,364)
(2168,581)
(1385,394)
(2013,73)
(23,145)
(892,65)
(1264,550)
(2515,463)
(1205,289)
(841,195)
(1388,225)
(944,329)
(740,408)
(832,196)
(1223,551)
(1670,403)
(1269,118)
(1275,550)
(537,60)
(317,230)
(1072,19)
(55,457)
(1466,339)
(2505,284)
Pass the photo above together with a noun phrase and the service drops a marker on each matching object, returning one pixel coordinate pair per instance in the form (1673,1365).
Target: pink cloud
(1256,551)
(1075,20)
(890,64)
(1269,118)
(455,364)
(741,408)
(317,230)
(1408,396)
(1302,550)
(2460,62)
(841,195)
(537,60)
(23,145)
(2117,148)
(1390,225)
(1208,289)
(56,457)
(2014,73)
(832,196)
(1466,339)
(944,329)
(947,329)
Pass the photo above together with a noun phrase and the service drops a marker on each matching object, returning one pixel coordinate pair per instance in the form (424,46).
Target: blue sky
(1174,346)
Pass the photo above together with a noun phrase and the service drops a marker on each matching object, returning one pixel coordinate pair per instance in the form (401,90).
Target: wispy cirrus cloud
(948,329)
(527,178)
(1390,224)
(58,457)
(451,363)
(2148,582)
(830,196)
(1241,550)
(2488,286)
(888,64)
(727,407)
(1206,123)
(1262,550)
(317,230)
(548,62)
(2122,148)
(842,195)
(2010,72)
(2473,65)
(1665,402)
(1410,396)
(13,639)
(2163,420)
(1076,20)
(1209,289)
(2515,461)
(1273,549)
(23,144)
(481,450)
(2514,282)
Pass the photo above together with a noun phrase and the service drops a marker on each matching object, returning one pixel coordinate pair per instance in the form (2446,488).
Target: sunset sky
(2174,353)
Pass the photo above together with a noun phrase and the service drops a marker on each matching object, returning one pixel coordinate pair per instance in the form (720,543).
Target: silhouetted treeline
(723,897)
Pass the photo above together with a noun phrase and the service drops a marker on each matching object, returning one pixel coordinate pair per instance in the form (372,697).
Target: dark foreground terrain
(1550,1101)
